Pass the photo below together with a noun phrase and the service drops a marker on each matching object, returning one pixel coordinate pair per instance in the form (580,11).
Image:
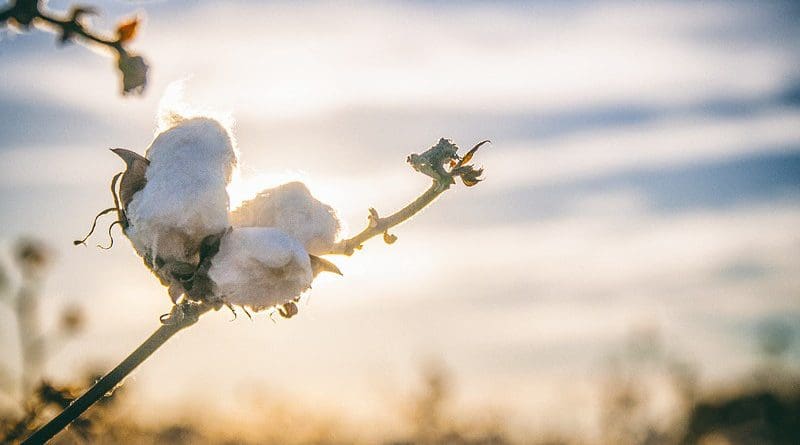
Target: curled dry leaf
(126,29)
(134,73)
(469,175)
(133,179)
(288,310)
(468,157)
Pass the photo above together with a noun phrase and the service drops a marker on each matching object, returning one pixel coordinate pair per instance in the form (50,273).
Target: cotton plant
(172,205)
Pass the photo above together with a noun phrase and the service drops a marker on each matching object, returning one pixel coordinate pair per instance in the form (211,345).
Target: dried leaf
(469,182)
(134,73)
(319,265)
(133,179)
(288,310)
(126,29)
(468,174)
(209,246)
(468,157)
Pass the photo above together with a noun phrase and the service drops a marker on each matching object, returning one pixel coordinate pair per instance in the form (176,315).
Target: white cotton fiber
(184,198)
(291,208)
(260,267)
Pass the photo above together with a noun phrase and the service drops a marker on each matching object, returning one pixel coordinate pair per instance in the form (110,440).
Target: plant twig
(133,68)
(183,316)
(431,163)
(379,225)
(75,28)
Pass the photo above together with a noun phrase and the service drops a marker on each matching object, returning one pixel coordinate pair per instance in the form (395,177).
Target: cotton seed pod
(259,268)
(291,208)
(184,198)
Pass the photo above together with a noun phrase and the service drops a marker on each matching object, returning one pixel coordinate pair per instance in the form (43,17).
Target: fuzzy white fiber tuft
(260,267)
(291,208)
(184,198)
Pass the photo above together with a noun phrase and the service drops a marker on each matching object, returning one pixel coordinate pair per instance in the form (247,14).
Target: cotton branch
(182,316)
(441,162)
(24,13)
(431,163)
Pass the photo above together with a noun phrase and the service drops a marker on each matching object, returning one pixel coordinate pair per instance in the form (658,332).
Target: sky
(644,174)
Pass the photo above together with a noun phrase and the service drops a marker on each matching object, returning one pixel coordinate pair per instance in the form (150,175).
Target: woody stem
(378,226)
(189,314)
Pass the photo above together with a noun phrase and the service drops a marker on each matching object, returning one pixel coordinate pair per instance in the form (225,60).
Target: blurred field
(762,408)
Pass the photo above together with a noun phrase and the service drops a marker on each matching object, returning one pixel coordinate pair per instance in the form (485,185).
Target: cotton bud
(173,206)
(176,196)
(291,208)
(260,267)
(184,198)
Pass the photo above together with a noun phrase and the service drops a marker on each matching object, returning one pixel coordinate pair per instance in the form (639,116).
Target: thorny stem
(187,315)
(381,225)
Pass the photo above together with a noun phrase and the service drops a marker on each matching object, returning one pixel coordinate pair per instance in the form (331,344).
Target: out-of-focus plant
(48,398)
(31,261)
(632,381)
(432,420)
(74,26)
(173,206)
(32,258)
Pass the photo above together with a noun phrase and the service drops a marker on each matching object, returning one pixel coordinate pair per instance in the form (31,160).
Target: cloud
(304,59)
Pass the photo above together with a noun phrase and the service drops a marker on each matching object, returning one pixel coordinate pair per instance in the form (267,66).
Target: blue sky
(645,171)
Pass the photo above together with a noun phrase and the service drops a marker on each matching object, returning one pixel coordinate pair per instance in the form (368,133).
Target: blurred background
(628,272)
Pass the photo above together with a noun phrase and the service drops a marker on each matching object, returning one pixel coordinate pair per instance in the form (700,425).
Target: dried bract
(134,73)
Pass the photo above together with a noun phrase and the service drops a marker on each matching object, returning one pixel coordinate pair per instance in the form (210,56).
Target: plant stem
(31,12)
(188,314)
(77,29)
(378,226)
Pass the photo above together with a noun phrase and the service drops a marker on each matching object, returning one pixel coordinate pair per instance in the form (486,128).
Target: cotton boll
(291,208)
(260,267)
(184,198)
